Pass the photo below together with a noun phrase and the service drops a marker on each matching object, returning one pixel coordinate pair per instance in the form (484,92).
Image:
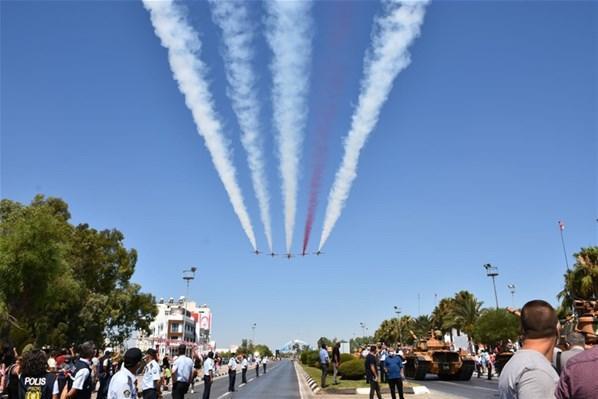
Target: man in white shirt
(150,384)
(265,363)
(257,366)
(182,374)
(81,387)
(244,366)
(232,372)
(122,383)
(208,375)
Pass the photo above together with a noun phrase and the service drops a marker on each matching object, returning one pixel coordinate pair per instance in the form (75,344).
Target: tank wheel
(421,369)
(466,371)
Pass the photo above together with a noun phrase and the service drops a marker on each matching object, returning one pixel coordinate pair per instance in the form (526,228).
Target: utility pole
(561,229)
(492,271)
(511,288)
(398,312)
(419,311)
(188,276)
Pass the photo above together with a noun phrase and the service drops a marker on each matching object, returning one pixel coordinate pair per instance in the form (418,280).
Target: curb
(313,385)
(413,390)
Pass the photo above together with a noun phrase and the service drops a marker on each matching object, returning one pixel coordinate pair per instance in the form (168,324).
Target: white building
(177,322)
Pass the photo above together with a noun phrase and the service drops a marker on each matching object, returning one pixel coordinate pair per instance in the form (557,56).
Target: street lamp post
(492,271)
(253,333)
(362,325)
(511,288)
(188,276)
(398,312)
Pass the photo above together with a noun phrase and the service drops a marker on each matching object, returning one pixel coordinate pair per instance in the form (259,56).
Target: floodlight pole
(188,275)
(492,271)
(398,312)
(511,288)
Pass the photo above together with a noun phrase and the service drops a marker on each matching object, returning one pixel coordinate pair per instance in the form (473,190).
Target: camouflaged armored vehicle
(434,356)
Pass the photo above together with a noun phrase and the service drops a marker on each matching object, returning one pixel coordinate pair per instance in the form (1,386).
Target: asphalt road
(279,382)
(475,388)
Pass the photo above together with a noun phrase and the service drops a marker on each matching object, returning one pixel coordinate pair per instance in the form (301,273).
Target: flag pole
(561,228)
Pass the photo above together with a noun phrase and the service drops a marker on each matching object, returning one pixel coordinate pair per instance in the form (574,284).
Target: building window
(174,327)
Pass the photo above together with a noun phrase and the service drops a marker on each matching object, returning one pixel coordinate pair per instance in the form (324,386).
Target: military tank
(434,356)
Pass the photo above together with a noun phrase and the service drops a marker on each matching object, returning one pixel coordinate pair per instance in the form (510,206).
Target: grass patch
(316,374)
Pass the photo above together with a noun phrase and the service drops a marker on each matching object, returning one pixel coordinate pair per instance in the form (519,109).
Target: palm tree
(442,316)
(465,311)
(422,325)
(581,282)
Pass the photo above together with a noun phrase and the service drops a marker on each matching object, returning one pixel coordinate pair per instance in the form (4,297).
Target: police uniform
(208,370)
(36,387)
(82,381)
(151,373)
(244,364)
(232,373)
(122,385)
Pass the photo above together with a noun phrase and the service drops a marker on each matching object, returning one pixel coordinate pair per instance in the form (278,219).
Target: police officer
(182,374)
(80,387)
(208,375)
(34,380)
(122,383)
(244,365)
(232,372)
(150,384)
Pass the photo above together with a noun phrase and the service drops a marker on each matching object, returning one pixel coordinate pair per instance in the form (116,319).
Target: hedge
(352,369)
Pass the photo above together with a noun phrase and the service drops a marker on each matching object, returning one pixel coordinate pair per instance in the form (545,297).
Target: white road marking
(223,396)
(251,379)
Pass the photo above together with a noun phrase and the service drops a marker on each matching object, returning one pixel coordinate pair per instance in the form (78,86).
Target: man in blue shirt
(324,361)
(393,365)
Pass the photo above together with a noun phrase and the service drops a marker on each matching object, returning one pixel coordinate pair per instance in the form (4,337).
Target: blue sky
(488,138)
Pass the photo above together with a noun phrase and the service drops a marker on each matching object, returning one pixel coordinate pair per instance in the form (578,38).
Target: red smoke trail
(333,73)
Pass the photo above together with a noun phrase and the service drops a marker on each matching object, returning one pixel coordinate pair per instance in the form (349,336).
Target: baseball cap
(132,357)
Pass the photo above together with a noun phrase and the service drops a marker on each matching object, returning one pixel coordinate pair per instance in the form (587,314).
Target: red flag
(561,225)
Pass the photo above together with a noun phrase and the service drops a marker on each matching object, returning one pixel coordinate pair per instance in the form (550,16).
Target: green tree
(359,342)
(422,325)
(61,283)
(495,326)
(246,347)
(443,317)
(324,340)
(263,350)
(393,330)
(581,282)
(465,311)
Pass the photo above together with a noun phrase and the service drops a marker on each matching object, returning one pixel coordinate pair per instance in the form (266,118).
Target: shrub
(352,369)
(311,358)
(303,357)
(345,357)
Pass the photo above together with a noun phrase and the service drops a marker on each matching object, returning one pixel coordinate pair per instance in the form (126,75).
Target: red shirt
(579,378)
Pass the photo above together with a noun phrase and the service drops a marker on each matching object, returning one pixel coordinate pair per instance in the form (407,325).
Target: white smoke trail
(232,18)
(393,33)
(182,42)
(289,36)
